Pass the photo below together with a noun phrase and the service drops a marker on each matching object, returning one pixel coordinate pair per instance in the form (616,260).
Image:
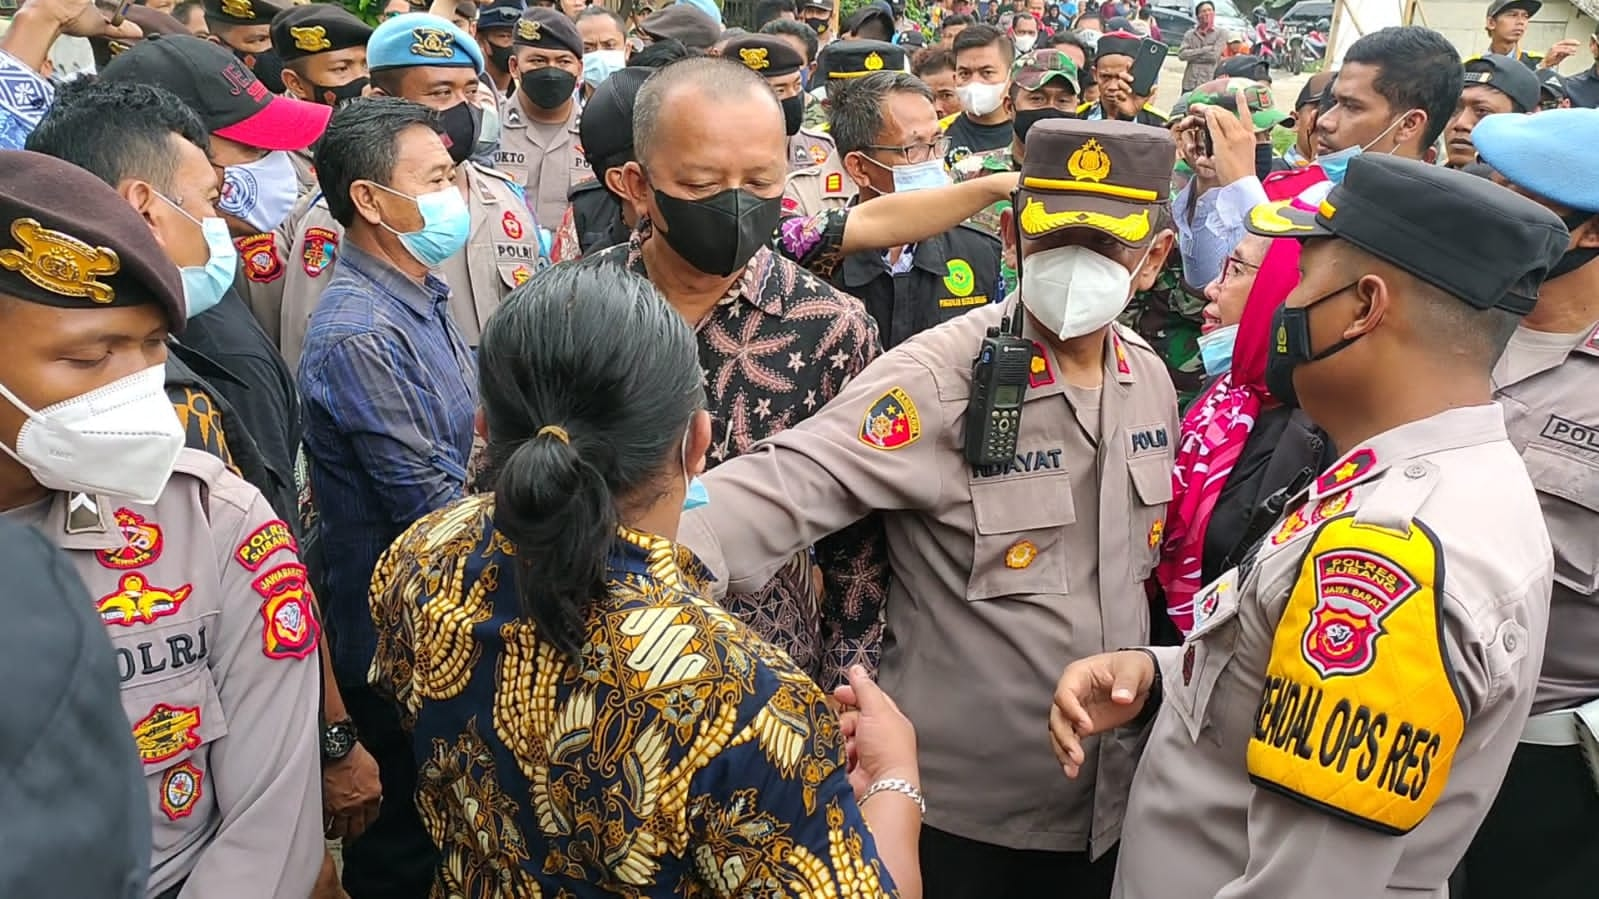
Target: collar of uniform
(1590,344)
(421,299)
(81,521)
(513,115)
(477,181)
(746,286)
(1048,381)
(1450,429)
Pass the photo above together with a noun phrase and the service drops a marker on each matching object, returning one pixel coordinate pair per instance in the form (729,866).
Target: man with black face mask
(424,59)
(494,27)
(539,143)
(244,26)
(323,48)
(1542,836)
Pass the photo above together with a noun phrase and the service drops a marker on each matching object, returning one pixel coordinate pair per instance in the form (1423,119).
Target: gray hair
(857,107)
(713,78)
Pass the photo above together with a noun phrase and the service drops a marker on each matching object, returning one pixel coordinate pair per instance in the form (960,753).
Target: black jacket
(951,273)
(597,216)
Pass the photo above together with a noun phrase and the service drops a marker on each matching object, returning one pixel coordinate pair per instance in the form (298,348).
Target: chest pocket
(1020,544)
(1151,477)
(1206,652)
(168,694)
(1568,491)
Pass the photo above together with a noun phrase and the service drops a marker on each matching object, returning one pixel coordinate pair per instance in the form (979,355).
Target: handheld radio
(999,387)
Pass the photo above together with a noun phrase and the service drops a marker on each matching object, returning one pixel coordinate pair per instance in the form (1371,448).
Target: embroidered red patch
(180,790)
(289,628)
(142,543)
(166,731)
(263,542)
(1122,368)
(262,264)
(137,601)
(521,275)
(835,183)
(321,245)
(790,205)
(512,226)
(1350,467)
(818,154)
(1042,373)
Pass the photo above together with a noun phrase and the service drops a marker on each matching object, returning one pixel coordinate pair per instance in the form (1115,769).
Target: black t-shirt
(965,133)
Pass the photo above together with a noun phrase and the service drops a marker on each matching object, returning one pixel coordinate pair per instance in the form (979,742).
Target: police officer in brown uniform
(193,575)
(323,48)
(827,185)
(243,28)
(776,60)
(539,144)
(1023,508)
(427,60)
(1341,715)
(1542,836)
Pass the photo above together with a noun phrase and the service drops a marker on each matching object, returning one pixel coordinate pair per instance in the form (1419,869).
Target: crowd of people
(515,449)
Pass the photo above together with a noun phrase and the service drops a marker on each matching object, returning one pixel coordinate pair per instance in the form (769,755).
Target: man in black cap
(194,577)
(245,27)
(1344,709)
(323,48)
(872,22)
(1507,23)
(812,157)
(1113,72)
(539,142)
(1245,65)
(495,25)
(819,15)
(1306,109)
(1552,93)
(682,22)
(1493,84)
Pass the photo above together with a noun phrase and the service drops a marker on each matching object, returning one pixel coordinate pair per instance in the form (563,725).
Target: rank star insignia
(892,422)
(137,601)
(141,543)
(167,731)
(180,790)
(1348,469)
(521,275)
(60,263)
(1021,554)
(1040,374)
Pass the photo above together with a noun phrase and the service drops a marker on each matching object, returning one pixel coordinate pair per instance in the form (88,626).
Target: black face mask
(719,234)
(1263,160)
(266,65)
(1576,257)
(817,25)
(793,114)
(1290,347)
(333,96)
(1025,119)
(459,126)
(500,57)
(548,87)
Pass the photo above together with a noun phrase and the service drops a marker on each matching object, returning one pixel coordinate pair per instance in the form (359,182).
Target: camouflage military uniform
(815,114)
(965,165)
(1168,316)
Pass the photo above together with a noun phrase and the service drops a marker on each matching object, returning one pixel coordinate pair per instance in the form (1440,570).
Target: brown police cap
(243,12)
(150,21)
(94,252)
(302,31)
(1105,175)
(765,54)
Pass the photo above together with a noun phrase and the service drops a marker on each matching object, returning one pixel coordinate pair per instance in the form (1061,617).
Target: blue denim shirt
(25,96)
(390,391)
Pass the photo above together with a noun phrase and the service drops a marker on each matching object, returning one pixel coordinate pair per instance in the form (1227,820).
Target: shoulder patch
(1359,715)
(180,790)
(142,543)
(262,262)
(263,542)
(289,628)
(320,247)
(892,422)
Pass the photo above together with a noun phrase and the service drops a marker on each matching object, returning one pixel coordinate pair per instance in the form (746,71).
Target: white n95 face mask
(121,439)
(261,193)
(1073,290)
(979,98)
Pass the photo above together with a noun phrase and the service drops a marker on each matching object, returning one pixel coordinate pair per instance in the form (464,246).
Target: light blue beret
(1550,154)
(419,39)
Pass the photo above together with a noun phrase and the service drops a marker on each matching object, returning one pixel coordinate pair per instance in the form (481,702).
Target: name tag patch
(1572,433)
(1144,440)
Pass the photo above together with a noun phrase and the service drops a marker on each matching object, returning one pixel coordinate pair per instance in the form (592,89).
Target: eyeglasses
(910,154)
(1233,264)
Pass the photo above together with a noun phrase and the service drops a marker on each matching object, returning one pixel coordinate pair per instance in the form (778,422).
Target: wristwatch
(338,738)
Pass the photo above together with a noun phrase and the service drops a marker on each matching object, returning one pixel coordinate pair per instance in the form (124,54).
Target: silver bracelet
(896,785)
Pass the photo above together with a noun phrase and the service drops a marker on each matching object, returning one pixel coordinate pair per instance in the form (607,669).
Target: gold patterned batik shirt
(679,756)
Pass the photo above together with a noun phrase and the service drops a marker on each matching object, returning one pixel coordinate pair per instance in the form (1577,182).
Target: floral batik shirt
(679,755)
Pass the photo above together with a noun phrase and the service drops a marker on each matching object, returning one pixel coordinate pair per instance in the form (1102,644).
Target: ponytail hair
(588,380)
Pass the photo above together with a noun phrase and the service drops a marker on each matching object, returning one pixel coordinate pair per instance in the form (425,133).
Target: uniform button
(1415,470)
(1510,642)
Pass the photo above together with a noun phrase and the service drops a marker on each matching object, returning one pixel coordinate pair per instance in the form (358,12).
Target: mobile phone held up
(1146,68)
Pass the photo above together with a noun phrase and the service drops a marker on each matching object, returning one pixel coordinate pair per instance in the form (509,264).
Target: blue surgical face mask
(602,64)
(1336,164)
(1216,349)
(446,223)
(205,285)
(916,176)
(695,496)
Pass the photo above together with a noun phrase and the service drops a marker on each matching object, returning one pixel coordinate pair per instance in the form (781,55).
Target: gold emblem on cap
(755,58)
(60,263)
(238,9)
(1090,162)
(432,42)
(873,61)
(311,39)
(528,30)
(1036,220)
(1268,217)
(115,48)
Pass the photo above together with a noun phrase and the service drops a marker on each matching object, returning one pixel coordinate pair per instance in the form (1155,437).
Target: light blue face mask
(1216,350)
(695,496)
(602,64)
(446,224)
(1336,164)
(205,285)
(924,175)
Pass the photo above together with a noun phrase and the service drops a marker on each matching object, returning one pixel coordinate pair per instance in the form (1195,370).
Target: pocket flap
(1022,504)
(1152,478)
(1560,475)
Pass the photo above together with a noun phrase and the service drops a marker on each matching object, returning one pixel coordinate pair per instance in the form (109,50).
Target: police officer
(1004,568)
(1507,23)
(323,48)
(424,59)
(1542,836)
(495,25)
(539,143)
(192,574)
(597,217)
(826,185)
(244,27)
(892,143)
(1113,72)
(776,60)
(1340,717)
